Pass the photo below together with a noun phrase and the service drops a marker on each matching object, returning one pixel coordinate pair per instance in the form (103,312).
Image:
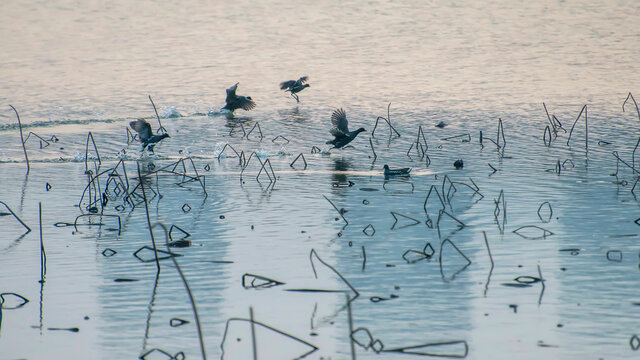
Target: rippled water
(71,68)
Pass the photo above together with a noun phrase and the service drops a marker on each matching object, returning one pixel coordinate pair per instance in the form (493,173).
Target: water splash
(186,151)
(218,112)
(170,112)
(218,151)
(4,157)
(283,151)
(262,153)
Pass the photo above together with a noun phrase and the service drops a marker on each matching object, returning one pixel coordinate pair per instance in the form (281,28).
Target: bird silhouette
(393,172)
(234,101)
(148,140)
(295,86)
(340,131)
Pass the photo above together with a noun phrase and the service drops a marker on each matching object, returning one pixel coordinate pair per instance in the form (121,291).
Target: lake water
(339,291)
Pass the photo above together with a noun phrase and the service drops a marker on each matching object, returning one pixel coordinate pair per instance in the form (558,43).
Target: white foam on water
(262,153)
(171,112)
(283,151)
(218,112)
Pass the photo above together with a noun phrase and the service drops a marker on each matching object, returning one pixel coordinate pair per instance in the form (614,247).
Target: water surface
(71,68)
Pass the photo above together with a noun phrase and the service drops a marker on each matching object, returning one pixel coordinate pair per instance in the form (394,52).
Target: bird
(392,172)
(340,130)
(295,86)
(148,140)
(234,101)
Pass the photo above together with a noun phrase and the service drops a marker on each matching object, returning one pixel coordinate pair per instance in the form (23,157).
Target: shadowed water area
(400,268)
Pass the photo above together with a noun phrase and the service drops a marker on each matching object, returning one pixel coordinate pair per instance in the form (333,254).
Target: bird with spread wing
(295,86)
(148,140)
(340,131)
(234,101)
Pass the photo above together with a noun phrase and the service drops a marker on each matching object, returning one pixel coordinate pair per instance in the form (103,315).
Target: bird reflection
(147,166)
(339,179)
(293,115)
(236,125)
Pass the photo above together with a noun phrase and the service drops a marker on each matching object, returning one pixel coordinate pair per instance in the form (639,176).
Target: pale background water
(71,67)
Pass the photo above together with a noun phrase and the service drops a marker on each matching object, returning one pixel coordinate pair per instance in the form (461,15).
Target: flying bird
(237,101)
(340,131)
(148,140)
(295,86)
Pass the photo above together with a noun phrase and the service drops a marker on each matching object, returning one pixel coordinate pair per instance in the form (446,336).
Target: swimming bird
(393,172)
(237,101)
(340,130)
(295,86)
(148,140)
